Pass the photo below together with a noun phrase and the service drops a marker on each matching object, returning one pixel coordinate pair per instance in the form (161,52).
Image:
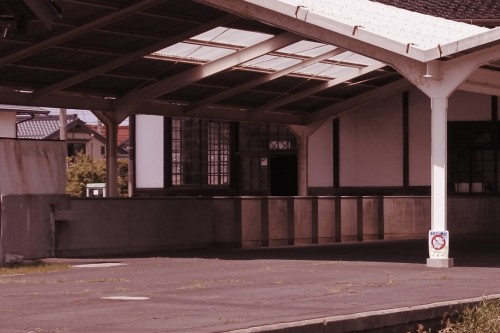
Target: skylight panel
(322,70)
(234,37)
(213,44)
(270,62)
(307,48)
(193,52)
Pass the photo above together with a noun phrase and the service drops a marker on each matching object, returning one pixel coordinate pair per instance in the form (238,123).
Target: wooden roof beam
(130,102)
(132,57)
(266,78)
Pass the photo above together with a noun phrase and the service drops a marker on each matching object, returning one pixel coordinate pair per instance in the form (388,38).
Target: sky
(84,115)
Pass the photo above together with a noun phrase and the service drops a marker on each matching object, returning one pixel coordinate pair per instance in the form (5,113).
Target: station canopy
(292,62)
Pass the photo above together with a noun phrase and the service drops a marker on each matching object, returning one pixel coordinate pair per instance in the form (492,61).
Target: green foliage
(82,169)
(122,174)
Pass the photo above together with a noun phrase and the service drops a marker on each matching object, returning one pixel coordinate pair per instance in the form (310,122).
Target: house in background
(122,135)
(80,136)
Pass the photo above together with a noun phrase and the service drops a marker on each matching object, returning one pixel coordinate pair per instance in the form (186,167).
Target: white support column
(439,235)
(438,159)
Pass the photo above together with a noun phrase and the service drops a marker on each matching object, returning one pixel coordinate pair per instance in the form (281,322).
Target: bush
(82,169)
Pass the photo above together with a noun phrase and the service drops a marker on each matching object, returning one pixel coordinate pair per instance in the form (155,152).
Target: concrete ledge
(440,263)
(372,321)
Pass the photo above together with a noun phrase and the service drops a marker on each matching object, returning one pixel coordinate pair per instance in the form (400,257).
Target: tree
(82,169)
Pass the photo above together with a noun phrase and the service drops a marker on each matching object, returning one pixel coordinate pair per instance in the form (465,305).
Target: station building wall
(371,141)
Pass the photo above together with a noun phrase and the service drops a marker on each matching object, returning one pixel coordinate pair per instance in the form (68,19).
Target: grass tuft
(481,318)
(31,267)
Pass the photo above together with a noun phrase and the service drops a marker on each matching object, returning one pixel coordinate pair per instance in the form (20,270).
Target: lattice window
(262,137)
(218,153)
(177,152)
(200,152)
(474,157)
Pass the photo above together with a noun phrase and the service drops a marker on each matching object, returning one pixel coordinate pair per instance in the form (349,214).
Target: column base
(440,263)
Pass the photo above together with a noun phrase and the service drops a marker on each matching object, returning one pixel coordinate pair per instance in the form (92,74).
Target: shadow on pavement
(467,251)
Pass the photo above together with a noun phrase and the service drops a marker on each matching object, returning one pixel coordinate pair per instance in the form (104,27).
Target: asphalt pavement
(316,288)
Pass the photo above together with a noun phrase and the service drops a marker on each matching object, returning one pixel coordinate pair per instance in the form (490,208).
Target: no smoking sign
(438,244)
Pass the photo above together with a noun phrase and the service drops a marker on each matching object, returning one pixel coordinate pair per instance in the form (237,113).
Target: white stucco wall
(7,124)
(371,145)
(320,157)
(419,133)
(149,151)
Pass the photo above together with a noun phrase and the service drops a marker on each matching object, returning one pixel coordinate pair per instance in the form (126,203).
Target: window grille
(200,152)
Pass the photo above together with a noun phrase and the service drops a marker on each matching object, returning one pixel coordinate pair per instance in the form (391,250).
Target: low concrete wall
(406,217)
(126,226)
(45,225)
(27,224)
(477,215)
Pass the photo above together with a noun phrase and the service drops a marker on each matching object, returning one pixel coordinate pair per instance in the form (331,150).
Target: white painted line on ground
(99,265)
(126,298)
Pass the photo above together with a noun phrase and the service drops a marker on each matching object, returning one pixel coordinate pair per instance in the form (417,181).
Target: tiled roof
(450,9)
(39,127)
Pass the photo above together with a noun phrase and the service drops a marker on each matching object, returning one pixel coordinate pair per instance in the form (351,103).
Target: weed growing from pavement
(229,320)
(342,288)
(31,267)
(389,281)
(197,284)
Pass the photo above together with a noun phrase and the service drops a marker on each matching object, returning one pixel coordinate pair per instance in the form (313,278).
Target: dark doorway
(283,172)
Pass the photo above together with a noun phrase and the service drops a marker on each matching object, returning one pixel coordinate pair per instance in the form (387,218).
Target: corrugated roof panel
(326,70)
(219,35)
(232,36)
(307,48)
(271,62)
(355,58)
(194,52)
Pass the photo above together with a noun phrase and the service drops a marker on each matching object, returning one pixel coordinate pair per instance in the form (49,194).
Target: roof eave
(483,39)
(358,33)
(409,50)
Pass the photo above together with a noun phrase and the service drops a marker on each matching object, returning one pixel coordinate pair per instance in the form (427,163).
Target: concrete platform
(334,288)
